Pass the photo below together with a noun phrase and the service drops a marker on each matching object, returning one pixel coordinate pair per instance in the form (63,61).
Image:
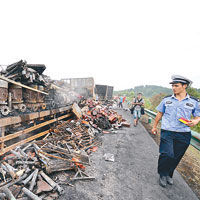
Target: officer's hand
(192,122)
(154,131)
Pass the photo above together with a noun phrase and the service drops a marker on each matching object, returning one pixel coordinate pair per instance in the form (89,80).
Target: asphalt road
(133,174)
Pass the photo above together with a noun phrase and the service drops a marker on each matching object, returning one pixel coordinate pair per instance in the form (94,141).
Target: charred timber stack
(15,97)
(24,88)
(26,73)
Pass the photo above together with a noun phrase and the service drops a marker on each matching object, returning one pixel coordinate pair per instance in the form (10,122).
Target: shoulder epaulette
(167,96)
(195,98)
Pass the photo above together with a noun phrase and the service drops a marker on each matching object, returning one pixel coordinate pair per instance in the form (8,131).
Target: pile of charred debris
(40,169)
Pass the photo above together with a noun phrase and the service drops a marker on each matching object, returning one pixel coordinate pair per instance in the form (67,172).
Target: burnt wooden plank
(27,117)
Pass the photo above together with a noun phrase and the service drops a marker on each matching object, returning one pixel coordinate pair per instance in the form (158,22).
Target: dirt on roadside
(189,167)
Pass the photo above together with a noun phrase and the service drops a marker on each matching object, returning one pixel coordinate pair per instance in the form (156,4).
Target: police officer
(175,135)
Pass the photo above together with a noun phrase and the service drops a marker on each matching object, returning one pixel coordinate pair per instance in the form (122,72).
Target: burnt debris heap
(66,121)
(40,169)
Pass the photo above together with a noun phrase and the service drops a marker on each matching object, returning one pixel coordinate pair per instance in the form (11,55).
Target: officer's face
(178,88)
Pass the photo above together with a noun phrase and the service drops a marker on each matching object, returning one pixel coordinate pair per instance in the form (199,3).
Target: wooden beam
(25,131)
(6,121)
(21,85)
(2,131)
(5,150)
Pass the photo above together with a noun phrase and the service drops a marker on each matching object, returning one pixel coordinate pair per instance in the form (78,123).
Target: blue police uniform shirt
(173,110)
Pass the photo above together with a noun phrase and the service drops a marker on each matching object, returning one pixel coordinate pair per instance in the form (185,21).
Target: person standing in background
(138,103)
(124,98)
(121,102)
(132,106)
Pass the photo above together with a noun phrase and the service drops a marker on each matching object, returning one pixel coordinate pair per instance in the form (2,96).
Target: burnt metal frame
(26,118)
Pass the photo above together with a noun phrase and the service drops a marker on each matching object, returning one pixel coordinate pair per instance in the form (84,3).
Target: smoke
(73,90)
(64,98)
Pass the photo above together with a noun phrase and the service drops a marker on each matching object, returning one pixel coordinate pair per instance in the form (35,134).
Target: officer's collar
(186,97)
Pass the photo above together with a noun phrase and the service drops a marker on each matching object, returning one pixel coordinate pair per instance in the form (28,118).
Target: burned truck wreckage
(48,129)
(24,89)
(30,99)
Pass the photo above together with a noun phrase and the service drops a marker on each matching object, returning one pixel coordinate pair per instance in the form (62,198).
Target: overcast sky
(119,43)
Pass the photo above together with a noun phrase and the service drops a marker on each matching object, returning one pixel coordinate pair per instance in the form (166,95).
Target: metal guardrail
(195,140)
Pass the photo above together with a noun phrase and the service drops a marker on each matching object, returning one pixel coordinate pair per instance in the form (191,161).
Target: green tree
(155,101)
(193,92)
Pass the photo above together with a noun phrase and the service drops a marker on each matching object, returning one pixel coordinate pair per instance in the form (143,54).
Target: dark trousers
(120,105)
(173,145)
